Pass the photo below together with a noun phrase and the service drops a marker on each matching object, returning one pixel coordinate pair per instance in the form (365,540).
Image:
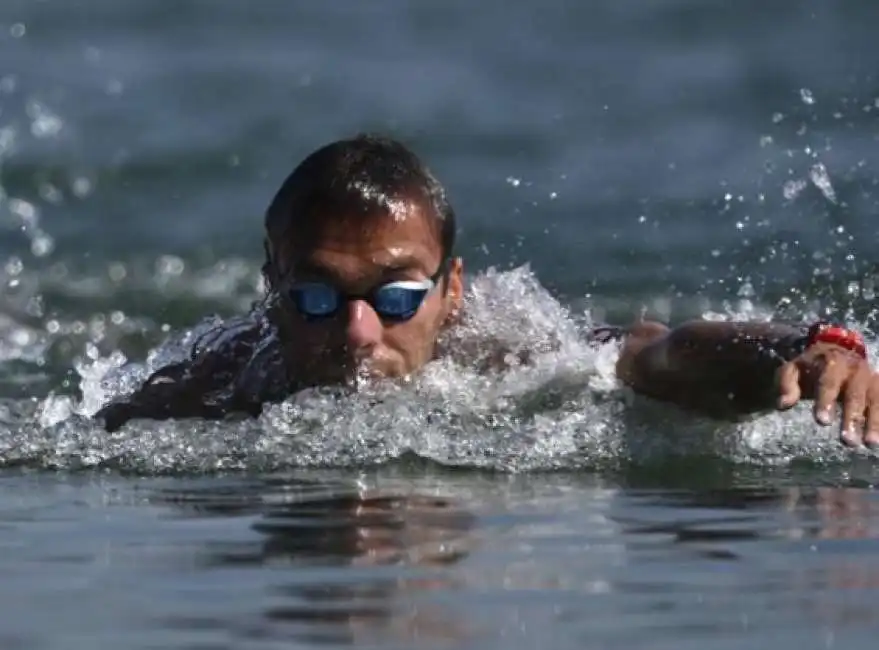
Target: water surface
(699,159)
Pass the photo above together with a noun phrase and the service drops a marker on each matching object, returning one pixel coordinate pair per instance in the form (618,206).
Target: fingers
(789,386)
(828,388)
(854,405)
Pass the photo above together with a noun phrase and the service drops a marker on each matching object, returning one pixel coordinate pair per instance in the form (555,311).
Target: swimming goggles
(394,301)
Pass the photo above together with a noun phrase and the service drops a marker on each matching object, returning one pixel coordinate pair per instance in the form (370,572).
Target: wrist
(833,334)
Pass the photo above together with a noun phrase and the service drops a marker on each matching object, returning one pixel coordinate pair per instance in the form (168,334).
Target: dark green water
(693,158)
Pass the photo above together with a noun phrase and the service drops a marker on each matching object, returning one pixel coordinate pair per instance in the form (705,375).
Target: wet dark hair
(354,177)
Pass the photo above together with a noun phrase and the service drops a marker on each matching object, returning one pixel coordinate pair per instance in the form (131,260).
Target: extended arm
(734,368)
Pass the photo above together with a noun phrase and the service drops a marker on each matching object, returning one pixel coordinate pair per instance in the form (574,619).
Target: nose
(364,328)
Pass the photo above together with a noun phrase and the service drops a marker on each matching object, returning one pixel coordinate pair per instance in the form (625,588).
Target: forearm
(721,368)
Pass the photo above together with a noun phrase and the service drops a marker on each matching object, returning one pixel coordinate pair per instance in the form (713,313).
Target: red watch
(837,335)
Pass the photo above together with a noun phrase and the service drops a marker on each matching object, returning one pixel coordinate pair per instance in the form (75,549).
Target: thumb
(788,385)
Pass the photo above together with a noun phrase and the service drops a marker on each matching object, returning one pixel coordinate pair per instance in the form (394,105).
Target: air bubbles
(515,182)
(807,96)
(17,30)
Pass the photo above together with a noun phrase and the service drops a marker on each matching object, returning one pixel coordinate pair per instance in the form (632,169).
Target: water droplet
(25,211)
(515,182)
(170,265)
(777,117)
(819,176)
(806,96)
(50,193)
(14,266)
(81,187)
(117,271)
(765,140)
(44,123)
(791,189)
(7,140)
(17,30)
(42,245)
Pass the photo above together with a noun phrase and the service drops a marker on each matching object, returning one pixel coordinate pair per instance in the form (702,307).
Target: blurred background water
(697,158)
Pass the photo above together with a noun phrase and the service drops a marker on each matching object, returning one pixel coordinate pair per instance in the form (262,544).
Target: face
(374,273)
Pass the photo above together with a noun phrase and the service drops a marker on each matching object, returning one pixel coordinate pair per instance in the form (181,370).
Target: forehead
(403,236)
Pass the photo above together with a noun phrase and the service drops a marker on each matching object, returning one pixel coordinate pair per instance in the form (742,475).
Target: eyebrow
(395,265)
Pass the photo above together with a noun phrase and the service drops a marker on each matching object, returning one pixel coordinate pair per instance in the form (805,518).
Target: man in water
(361,269)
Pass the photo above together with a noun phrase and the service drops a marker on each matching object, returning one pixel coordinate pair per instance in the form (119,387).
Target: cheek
(417,336)
(309,337)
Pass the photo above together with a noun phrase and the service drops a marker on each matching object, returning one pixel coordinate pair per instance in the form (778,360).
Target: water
(688,158)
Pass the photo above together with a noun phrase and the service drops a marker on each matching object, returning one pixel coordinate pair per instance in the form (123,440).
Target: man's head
(359,248)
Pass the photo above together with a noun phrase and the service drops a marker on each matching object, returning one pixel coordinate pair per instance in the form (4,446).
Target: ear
(454,289)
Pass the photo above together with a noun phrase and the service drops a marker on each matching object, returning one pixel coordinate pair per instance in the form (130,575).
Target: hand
(828,373)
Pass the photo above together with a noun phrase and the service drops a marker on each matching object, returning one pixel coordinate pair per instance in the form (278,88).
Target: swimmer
(360,260)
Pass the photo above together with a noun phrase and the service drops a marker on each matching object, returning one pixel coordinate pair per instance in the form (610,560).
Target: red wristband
(837,335)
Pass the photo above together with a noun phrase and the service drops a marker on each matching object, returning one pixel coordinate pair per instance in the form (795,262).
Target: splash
(553,403)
